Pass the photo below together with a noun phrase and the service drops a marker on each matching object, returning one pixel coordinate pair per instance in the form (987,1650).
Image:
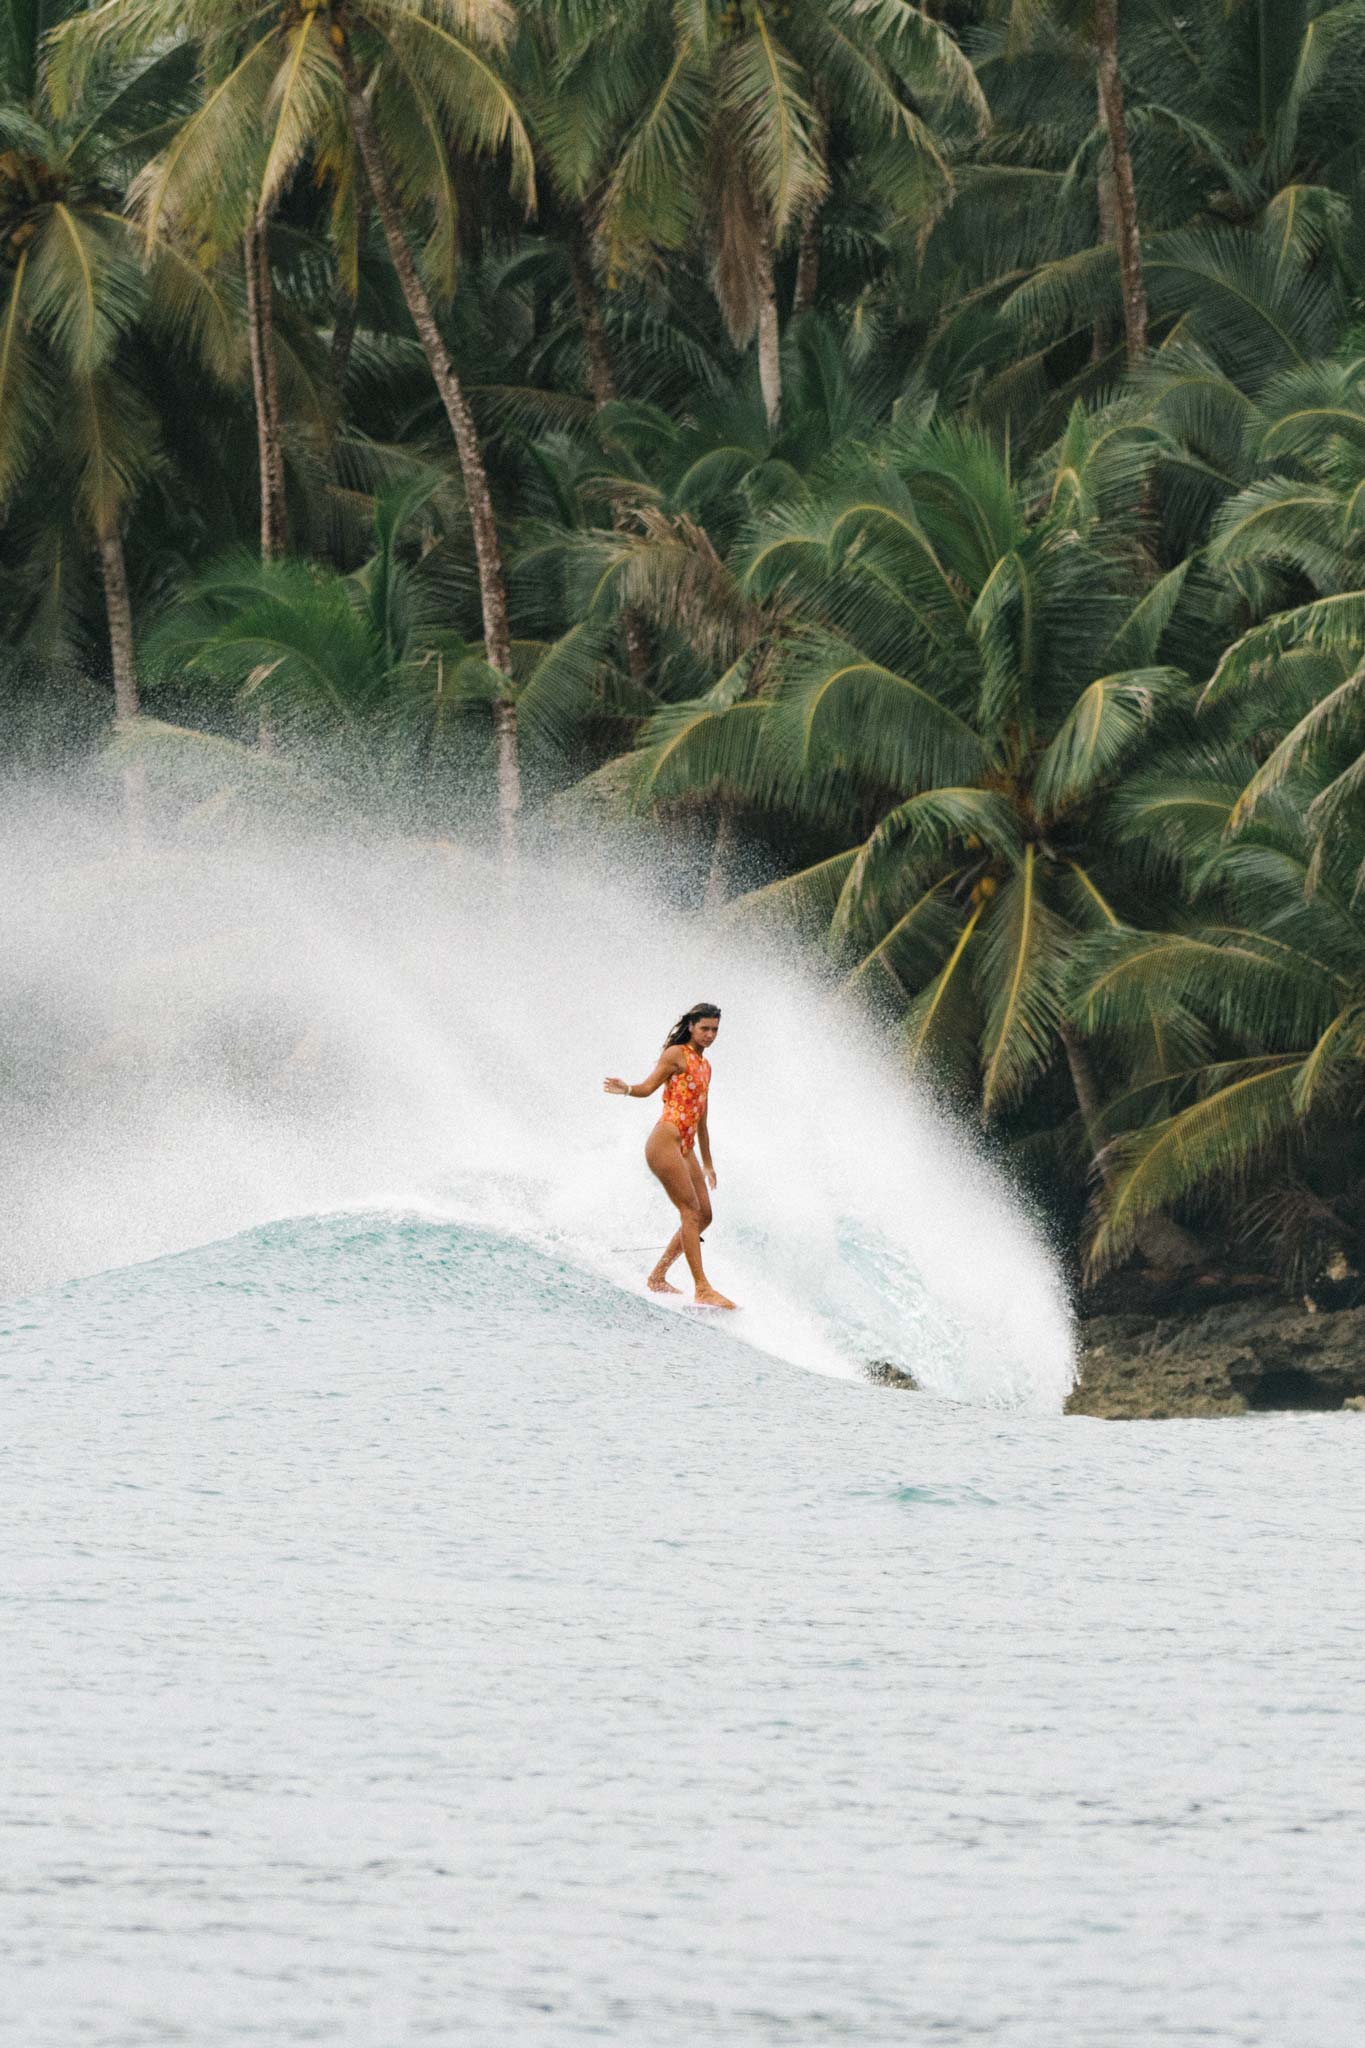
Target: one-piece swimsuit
(685,1097)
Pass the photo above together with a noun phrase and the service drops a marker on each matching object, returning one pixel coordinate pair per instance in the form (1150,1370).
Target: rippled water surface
(409,1637)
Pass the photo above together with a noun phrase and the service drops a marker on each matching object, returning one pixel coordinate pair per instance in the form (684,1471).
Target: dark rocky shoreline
(1241,1357)
(1232,1358)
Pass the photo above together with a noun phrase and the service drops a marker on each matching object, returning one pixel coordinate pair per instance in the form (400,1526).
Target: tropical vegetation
(912,451)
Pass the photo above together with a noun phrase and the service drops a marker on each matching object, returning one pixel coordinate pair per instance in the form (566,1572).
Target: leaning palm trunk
(769,348)
(1108,219)
(1110,83)
(119,612)
(601,379)
(487,552)
(265,389)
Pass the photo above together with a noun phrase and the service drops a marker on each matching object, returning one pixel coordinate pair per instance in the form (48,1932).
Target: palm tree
(361,673)
(733,140)
(1270,966)
(1267,97)
(696,479)
(958,664)
(576,84)
(402,85)
(76,295)
(1245,152)
(1095,26)
(1298,676)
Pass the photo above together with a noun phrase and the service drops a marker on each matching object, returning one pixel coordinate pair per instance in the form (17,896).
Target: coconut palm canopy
(921,448)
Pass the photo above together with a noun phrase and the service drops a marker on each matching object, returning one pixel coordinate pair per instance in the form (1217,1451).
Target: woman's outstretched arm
(671,1061)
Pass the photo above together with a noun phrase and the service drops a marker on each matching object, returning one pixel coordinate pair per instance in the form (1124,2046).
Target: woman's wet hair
(682,1030)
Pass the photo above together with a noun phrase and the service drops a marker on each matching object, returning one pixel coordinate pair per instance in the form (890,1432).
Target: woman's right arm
(671,1061)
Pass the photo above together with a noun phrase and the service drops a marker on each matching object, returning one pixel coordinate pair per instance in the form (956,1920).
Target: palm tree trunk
(265,389)
(807,262)
(487,551)
(1110,84)
(1107,208)
(1086,1090)
(119,612)
(769,344)
(601,379)
(1161,1241)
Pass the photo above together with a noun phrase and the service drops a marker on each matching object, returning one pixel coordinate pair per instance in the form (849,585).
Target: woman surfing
(684,1074)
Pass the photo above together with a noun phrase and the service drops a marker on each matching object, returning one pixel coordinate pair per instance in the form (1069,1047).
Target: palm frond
(300,103)
(651,196)
(802,903)
(942,1026)
(1257,990)
(467,86)
(1335,624)
(1098,733)
(1139,638)
(567,686)
(1317,726)
(85,290)
(912,950)
(1282,520)
(24,389)
(1020,971)
(210,171)
(1218,1139)
(837,712)
(772,125)
(699,749)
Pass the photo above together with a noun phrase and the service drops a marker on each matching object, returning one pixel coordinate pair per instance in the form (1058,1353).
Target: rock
(1234,1358)
(884,1374)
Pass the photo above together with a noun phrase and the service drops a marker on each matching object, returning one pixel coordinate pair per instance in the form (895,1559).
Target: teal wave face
(376,1288)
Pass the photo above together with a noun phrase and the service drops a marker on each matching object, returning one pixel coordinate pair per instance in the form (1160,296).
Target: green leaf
(1218,1139)
(1098,733)
(1020,973)
(837,711)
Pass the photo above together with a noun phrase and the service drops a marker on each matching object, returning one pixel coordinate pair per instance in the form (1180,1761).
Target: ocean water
(411,1637)
(413,1631)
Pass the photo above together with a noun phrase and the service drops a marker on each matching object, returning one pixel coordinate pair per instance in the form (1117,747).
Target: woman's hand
(708,1174)
(672,1061)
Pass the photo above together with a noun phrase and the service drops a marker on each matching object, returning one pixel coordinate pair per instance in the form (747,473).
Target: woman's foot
(657,1284)
(711,1297)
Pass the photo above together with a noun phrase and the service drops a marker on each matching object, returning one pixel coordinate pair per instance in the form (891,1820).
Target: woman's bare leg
(658,1279)
(664,1156)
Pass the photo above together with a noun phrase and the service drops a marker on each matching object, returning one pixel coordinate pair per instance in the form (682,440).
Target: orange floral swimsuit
(685,1097)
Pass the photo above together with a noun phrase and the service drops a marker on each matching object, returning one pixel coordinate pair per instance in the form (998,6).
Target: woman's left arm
(704,1147)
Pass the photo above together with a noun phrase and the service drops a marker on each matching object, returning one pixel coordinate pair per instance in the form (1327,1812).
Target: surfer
(684,1074)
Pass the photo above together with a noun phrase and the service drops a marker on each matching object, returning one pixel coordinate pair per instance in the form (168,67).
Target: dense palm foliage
(920,449)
